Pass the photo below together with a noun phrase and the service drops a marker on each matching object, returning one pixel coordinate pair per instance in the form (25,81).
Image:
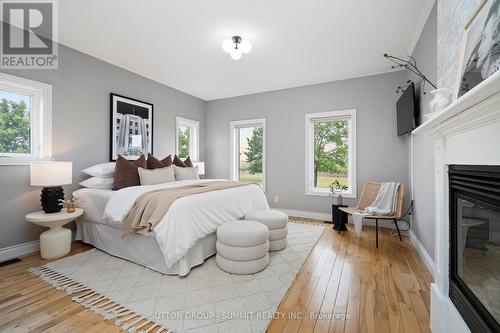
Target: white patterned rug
(207,300)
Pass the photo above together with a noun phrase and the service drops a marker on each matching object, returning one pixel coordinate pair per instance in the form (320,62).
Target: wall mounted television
(407,111)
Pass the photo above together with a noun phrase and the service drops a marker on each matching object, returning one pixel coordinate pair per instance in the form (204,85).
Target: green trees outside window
(330,152)
(251,154)
(254,153)
(184,136)
(14,127)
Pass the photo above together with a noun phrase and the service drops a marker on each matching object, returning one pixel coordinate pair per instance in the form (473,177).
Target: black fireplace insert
(475,245)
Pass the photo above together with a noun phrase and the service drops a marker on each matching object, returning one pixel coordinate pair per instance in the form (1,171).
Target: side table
(55,242)
(339,218)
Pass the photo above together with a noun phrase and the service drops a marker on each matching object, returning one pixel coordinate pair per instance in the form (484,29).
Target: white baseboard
(444,315)
(306,214)
(423,253)
(382,224)
(18,250)
(15,251)
(328,217)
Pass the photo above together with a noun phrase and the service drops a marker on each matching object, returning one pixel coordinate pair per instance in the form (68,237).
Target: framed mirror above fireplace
(474,285)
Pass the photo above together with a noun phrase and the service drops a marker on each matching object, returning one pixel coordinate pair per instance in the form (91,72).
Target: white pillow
(186,173)
(98,182)
(156,176)
(101,170)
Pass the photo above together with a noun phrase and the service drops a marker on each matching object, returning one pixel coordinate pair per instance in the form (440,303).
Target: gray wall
(425,53)
(381,155)
(437,53)
(423,220)
(80,114)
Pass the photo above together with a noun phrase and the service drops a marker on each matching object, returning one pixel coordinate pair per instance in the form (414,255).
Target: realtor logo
(29,34)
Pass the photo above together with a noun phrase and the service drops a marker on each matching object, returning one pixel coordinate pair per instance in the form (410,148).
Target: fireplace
(474,275)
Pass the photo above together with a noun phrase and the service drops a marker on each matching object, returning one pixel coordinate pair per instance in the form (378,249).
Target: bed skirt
(143,250)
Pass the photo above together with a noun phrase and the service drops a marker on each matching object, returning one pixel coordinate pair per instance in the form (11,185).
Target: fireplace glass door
(475,245)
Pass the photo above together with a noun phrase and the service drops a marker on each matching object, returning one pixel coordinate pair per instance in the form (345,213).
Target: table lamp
(51,175)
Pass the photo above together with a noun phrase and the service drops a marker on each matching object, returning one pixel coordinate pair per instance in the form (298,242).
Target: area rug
(207,300)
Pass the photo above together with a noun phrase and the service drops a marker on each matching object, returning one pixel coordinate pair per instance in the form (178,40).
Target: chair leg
(397,228)
(376,232)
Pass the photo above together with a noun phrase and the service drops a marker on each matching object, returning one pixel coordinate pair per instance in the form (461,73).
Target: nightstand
(55,242)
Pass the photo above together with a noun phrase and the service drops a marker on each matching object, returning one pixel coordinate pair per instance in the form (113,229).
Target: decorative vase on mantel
(340,199)
(441,99)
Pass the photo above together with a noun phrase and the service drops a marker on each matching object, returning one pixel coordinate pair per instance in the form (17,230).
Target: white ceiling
(295,42)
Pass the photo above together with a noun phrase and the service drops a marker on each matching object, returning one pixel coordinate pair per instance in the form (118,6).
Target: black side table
(339,218)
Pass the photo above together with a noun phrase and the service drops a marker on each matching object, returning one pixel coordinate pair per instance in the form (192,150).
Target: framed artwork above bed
(131,133)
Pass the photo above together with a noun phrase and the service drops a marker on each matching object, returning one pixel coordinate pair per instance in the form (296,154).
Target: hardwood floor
(346,285)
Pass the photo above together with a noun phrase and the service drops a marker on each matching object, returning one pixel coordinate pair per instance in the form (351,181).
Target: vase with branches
(411,65)
(441,97)
(336,190)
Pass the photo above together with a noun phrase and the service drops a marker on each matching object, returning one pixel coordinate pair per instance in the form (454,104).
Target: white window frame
(310,119)
(194,142)
(234,125)
(40,119)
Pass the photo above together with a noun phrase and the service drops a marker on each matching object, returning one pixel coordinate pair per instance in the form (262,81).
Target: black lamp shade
(50,199)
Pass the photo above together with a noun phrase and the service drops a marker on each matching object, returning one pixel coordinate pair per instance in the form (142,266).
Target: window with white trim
(187,138)
(25,120)
(248,151)
(331,152)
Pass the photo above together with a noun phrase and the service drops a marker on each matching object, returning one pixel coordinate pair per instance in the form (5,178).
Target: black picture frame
(139,118)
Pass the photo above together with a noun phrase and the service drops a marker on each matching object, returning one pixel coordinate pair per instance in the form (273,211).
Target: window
(25,120)
(331,152)
(187,138)
(248,151)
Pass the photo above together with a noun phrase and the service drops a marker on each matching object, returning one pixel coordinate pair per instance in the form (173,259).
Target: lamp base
(50,199)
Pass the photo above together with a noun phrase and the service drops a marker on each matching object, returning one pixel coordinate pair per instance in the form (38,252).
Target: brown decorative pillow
(178,162)
(154,163)
(126,172)
(167,160)
(188,162)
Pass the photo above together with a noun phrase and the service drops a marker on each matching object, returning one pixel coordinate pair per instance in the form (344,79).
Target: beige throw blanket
(150,208)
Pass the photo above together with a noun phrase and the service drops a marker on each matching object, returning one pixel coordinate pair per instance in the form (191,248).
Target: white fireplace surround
(466,132)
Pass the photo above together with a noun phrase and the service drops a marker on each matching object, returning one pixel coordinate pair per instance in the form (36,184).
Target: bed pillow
(98,182)
(126,174)
(154,163)
(156,176)
(186,173)
(178,162)
(103,170)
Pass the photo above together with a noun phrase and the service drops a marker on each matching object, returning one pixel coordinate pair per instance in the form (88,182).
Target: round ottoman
(277,222)
(242,247)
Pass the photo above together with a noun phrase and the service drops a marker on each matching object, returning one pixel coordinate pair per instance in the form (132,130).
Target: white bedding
(189,218)
(93,201)
(142,250)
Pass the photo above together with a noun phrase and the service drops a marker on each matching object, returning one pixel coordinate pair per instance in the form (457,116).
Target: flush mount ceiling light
(236,46)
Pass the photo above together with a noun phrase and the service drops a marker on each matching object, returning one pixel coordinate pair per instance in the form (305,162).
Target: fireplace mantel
(473,100)
(466,132)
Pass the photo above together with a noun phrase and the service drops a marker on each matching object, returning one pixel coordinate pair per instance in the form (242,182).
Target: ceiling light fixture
(236,46)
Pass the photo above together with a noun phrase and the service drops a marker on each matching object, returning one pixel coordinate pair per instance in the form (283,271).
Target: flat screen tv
(407,111)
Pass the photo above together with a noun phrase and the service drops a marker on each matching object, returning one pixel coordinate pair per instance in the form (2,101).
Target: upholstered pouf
(242,247)
(277,222)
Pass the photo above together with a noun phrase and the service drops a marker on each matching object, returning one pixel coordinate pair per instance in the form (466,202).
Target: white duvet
(189,218)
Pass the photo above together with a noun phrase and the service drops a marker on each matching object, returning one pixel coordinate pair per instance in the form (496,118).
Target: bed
(184,238)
